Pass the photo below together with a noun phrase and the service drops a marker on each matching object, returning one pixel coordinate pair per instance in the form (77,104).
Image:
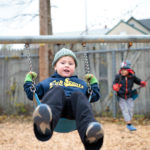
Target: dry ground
(17,134)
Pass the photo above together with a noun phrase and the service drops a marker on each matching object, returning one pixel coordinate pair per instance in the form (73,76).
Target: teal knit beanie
(125,64)
(64,52)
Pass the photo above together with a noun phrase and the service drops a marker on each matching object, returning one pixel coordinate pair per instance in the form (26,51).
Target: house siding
(139,26)
(123,27)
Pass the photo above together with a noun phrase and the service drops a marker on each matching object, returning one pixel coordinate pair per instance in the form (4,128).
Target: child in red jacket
(123,84)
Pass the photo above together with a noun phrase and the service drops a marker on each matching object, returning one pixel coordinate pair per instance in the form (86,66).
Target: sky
(68,15)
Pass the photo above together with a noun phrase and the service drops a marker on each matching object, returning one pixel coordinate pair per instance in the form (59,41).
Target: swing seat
(134,94)
(65,125)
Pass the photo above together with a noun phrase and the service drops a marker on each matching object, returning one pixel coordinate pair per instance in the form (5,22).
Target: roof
(127,25)
(90,32)
(145,22)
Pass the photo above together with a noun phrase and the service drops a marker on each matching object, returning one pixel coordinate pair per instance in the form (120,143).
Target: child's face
(124,72)
(65,66)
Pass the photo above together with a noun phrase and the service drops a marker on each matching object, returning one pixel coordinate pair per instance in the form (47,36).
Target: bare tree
(16,13)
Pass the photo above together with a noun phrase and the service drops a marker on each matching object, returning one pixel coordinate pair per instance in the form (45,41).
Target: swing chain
(129,46)
(87,70)
(28,56)
(86,62)
(32,88)
(139,88)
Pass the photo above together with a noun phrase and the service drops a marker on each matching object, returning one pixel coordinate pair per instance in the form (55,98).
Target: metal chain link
(86,62)
(28,56)
(32,88)
(129,46)
(87,70)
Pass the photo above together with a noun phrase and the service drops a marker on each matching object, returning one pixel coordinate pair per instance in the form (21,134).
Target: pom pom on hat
(125,64)
(64,52)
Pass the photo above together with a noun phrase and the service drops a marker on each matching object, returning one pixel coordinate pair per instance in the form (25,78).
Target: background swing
(135,91)
(64,125)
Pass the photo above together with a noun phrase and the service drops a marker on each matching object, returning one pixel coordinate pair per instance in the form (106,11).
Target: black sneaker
(42,117)
(94,132)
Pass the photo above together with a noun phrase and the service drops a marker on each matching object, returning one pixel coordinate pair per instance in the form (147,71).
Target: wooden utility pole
(45,52)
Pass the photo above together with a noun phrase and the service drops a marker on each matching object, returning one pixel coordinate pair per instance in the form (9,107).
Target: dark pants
(74,107)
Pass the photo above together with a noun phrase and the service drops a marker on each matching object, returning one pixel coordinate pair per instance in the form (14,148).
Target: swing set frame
(51,39)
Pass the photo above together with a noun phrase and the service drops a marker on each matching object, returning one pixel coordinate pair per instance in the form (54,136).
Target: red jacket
(127,83)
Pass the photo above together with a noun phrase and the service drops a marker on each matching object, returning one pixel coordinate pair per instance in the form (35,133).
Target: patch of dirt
(18,135)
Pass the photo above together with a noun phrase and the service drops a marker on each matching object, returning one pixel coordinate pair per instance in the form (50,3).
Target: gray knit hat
(64,52)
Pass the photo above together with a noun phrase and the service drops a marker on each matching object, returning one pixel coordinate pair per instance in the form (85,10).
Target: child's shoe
(94,132)
(131,127)
(42,117)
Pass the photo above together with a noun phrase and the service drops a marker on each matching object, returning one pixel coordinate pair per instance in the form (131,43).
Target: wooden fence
(104,61)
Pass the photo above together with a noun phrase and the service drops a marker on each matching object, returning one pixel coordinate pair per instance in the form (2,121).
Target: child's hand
(30,76)
(90,78)
(116,87)
(143,83)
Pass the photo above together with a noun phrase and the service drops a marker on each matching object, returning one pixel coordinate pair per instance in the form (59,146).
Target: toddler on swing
(123,85)
(65,95)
